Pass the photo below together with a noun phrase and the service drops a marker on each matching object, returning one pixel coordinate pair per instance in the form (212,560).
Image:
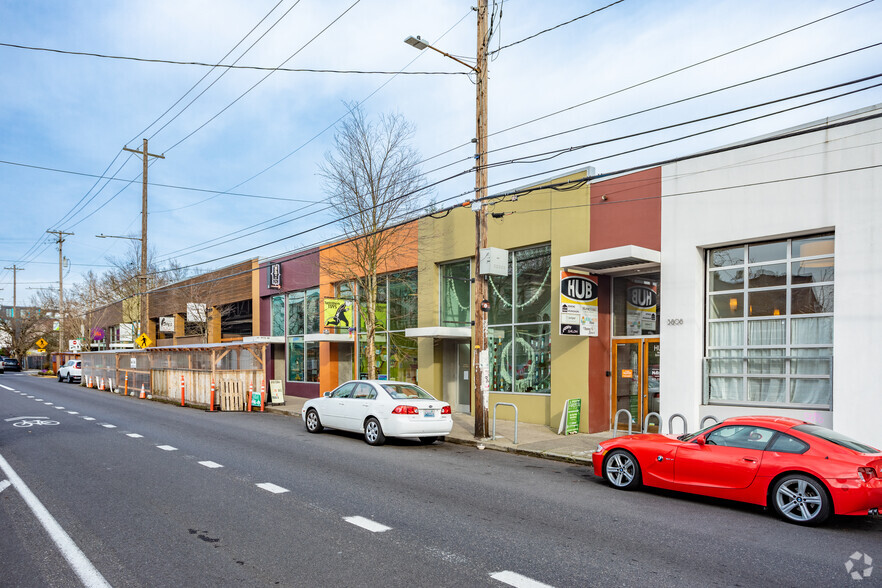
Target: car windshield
(691,436)
(406,391)
(837,438)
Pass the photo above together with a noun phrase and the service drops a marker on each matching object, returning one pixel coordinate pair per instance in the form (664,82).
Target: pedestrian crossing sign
(144,341)
(41,343)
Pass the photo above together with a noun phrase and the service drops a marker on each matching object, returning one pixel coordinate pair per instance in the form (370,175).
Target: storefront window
(313,311)
(770,337)
(637,304)
(402,300)
(278,316)
(397,303)
(295,313)
(519,333)
(295,359)
(456,294)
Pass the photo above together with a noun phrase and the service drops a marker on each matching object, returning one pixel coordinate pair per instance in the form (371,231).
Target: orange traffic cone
(143,396)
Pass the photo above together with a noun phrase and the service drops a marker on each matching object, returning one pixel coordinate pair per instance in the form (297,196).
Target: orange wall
(631,212)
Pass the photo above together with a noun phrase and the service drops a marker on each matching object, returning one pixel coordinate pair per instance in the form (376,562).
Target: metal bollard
(493,433)
(709,416)
(646,422)
(671,423)
(626,412)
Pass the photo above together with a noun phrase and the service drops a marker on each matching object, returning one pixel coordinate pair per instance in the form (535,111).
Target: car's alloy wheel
(622,470)
(800,499)
(313,424)
(373,432)
(69,379)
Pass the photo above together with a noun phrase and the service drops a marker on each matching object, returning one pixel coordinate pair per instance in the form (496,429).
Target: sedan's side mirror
(700,441)
(327,394)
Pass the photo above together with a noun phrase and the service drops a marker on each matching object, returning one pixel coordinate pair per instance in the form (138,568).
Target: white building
(757,241)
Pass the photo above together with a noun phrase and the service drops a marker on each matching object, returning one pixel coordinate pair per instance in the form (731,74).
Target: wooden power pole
(481,349)
(15,269)
(143,277)
(60,236)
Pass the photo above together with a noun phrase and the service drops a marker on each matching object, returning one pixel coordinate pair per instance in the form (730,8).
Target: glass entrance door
(636,381)
(464,371)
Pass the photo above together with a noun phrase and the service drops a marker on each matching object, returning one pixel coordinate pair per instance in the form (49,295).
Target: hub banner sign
(578,305)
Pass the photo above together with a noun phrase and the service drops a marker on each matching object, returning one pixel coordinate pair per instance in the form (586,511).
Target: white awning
(615,261)
(440,332)
(328,338)
(264,339)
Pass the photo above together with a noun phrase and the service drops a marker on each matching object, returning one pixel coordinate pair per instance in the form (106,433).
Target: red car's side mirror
(700,441)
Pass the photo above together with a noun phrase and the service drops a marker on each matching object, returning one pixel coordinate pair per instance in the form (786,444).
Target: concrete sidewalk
(534,440)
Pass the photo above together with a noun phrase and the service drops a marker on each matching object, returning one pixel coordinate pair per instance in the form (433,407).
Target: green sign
(255,398)
(573,413)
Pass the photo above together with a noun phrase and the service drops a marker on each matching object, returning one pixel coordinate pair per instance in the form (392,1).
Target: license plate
(429,414)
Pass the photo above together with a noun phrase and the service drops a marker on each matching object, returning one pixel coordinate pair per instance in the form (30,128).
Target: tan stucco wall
(560,218)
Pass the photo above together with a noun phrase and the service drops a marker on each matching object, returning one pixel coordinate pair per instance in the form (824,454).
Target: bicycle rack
(671,423)
(493,433)
(709,416)
(626,412)
(646,422)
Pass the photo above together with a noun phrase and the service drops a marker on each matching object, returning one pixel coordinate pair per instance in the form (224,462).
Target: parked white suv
(71,371)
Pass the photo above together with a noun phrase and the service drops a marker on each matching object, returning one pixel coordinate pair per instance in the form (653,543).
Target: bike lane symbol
(30,421)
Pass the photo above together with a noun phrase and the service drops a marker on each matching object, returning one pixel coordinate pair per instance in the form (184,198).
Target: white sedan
(71,371)
(380,409)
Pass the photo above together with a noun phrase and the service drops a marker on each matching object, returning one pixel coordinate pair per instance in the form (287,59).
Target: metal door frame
(643,381)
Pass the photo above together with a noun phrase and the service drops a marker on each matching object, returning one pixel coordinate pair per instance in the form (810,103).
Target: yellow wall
(560,218)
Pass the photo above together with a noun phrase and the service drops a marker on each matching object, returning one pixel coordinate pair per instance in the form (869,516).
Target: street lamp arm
(103,236)
(418,43)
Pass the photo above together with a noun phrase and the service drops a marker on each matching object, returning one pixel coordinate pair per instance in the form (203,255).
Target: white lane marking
(30,396)
(37,399)
(7,387)
(108,426)
(272,488)
(210,464)
(166,447)
(372,526)
(4,484)
(82,567)
(48,403)
(59,407)
(88,418)
(517,580)
(72,412)
(134,435)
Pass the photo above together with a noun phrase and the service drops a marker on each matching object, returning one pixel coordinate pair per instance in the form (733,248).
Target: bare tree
(373,182)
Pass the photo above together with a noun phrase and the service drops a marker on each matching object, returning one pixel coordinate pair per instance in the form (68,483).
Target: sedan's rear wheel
(801,500)
(621,469)
(313,424)
(373,432)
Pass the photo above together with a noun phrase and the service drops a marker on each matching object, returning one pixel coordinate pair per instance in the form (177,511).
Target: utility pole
(481,351)
(143,276)
(60,236)
(15,269)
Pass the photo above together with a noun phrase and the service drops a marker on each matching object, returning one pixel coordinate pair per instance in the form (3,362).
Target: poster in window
(337,313)
(641,310)
(578,305)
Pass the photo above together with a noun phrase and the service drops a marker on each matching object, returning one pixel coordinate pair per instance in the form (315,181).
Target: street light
(481,356)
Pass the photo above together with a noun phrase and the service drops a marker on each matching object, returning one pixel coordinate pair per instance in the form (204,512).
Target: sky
(242,147)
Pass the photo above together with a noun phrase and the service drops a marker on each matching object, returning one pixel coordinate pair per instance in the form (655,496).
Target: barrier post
(262,394)
(211,406)
(250,392)
(126,387)
(182,389)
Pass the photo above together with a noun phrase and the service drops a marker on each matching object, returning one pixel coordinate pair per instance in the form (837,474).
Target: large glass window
(278,316)
(295,314)
(519,331)
(395,354)
(770,323)
(637,304)
(456,294)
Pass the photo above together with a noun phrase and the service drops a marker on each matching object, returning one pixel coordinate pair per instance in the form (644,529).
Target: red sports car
(803,471)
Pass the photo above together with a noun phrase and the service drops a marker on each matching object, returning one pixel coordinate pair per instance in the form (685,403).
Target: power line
(678,70)
(542,32)
(245,67)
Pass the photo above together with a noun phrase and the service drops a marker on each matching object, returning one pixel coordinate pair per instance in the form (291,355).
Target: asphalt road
(140,496)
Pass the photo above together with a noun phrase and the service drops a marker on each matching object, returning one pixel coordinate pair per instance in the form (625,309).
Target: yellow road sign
(144,341)
(41,343)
